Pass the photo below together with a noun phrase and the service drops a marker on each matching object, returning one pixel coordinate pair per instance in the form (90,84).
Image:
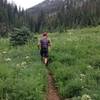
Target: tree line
(70,14)
(11,17)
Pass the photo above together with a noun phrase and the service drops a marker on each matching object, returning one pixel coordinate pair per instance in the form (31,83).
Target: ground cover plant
(75,63)
(22,76)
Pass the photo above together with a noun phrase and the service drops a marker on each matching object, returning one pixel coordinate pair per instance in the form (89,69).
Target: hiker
(43,44)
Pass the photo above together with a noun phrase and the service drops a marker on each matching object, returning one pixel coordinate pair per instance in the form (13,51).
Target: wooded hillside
(54,15)
(11,16)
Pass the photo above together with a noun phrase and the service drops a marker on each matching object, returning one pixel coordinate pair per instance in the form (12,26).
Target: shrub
(72,89)
(95,63)
(19,36)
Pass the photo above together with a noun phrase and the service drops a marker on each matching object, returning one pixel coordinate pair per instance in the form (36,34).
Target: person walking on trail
(43,44)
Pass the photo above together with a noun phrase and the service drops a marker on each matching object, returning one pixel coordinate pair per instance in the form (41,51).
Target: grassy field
(22,76)
(74,62)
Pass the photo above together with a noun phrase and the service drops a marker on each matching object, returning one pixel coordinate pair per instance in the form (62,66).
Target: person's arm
(38,44)
(49,43)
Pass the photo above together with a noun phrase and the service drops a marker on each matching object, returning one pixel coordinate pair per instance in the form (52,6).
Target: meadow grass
(75,63)
(22,76)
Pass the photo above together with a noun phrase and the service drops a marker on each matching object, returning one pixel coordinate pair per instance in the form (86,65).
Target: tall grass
(22,76)
(75,63)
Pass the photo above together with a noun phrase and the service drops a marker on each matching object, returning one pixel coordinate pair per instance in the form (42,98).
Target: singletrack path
(52,90)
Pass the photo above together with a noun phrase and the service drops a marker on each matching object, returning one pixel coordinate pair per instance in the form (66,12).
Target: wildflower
(81,79)
(23,63)
(86,97)
(4,52)
(89,66)
(70,33)
(27,57)
(8,59)
(18,65)
(82,87)
(82,75)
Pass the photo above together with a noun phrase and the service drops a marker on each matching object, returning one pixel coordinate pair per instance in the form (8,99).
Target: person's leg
(45,60)
(46,56)
(42,58)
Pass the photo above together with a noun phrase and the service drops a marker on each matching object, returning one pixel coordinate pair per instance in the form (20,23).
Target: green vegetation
(12,16)
(20,36)
(74,58)
(22,76)
(75,63)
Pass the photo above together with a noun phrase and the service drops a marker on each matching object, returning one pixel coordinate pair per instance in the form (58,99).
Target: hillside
(53,6)
(47,6)
(74,64)
(58,15)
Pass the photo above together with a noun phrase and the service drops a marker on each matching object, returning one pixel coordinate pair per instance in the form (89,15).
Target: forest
(11,17)
(64,14)
(60,17)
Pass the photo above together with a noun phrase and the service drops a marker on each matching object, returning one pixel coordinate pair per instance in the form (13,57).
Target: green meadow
(74,62)
(22,76)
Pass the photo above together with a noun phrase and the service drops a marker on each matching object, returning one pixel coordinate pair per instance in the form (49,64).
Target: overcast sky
(26,3)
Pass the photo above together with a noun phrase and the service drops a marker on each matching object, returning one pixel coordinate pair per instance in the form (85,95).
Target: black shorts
(44,52)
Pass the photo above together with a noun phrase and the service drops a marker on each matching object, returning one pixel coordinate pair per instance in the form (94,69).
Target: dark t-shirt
(44,43)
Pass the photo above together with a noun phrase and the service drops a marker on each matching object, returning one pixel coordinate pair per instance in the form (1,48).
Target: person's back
(43,44)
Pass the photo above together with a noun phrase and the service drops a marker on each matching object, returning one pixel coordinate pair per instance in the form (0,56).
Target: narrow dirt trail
(52,91)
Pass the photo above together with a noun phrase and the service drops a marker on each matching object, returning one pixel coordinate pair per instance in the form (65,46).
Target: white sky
(25,3)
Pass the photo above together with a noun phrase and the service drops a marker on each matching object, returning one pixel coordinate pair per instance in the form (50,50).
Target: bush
(19,36)
(72,89)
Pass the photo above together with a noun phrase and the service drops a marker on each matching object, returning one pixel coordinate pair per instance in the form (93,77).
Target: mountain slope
(61,14)
(50,6)
(46,6)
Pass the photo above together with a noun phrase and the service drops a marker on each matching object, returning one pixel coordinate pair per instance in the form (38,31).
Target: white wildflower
(23,63)
(82,87)
(27,57)
(81,79)
(82,75)
(18,65)
(89,66)
(8,59)
(86,97)
(4,52)
(70,33)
